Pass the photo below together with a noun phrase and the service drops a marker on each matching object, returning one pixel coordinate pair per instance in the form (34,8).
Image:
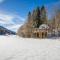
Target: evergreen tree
(36,17)
(29,17)
(43,15)
(33,19)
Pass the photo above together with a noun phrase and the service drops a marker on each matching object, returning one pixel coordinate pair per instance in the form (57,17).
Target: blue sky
(14,12)
(22,7)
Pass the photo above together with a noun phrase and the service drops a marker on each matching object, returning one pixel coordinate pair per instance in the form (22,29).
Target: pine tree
(29,25)
(28,17)
(33,19)
(43,15)
(28,22)
(38,21)
(36,17)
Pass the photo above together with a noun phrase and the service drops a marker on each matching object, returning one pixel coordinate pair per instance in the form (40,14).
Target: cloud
(12,22)
(14,27)
(5,18)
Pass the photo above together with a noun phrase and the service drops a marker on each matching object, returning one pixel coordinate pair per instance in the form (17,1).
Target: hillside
(4,31)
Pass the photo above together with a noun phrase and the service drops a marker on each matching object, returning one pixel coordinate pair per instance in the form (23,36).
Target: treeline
(37,17)
(34,20)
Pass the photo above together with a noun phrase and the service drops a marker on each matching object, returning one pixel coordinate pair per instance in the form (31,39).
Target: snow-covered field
(16,48)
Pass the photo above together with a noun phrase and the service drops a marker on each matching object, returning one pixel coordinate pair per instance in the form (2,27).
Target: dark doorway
(45,34)
(38,35)
(42,35)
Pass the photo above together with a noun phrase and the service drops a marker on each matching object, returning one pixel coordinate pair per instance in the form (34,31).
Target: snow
(18,48)
(44,26)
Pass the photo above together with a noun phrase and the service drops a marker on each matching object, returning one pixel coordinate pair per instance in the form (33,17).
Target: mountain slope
(4,31)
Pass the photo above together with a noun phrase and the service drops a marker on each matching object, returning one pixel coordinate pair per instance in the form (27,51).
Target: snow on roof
(44,26)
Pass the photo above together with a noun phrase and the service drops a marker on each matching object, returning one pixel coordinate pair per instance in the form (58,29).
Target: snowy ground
(15,48)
